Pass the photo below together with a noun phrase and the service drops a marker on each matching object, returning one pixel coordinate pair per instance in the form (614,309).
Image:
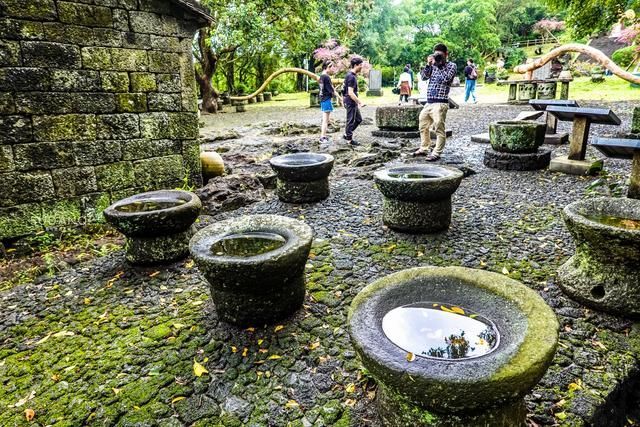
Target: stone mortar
(398,117)
(604,272)
(302,177)
(517,162)
(516,136)
(258,289)
(485,390)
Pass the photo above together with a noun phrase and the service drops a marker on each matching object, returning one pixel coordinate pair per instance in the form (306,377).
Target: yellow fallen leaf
(291,404)
(278,328)
(137,408)
(574,387)
(43,339)
(447,309)
(87,301)
(250,329)
(351,388)
(457,310)
(198,369)
(263,350)
(234,349)
(178,326)
(154,274)
(189,264)
(177,399)
(260,341)
(244,352)
(350,402)
(29,414)
(411,357)
(274,357)
(116,391)
(63,334)
(505,271)
(314,345)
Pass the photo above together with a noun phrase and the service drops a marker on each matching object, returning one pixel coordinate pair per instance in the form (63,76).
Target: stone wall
(97,102)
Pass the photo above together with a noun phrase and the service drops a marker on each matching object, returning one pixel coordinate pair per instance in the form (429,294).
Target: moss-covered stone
(21,187)
(84,14)
(168,83)
(635,121)
(159,171)
(76,81)
(15,129)
(131,102)
(7,105)
(74,181)
(143,82)
(117,126)
(30,9)
(96,58)
(20,219)
(115,176)
(129,59)
(88,153)
(516,136)
(43,54)
(10,53)
(6,158)
(43,155)
(61,213)
(70,127)
(135,149)
(163,62)
(113,81)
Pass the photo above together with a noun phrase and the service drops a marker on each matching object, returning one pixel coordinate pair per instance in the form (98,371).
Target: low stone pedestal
(160,249)
(400,121)
(405,134)
(260,98)
(314,98)
(302,177)
(571,167)
(267,96)
(517,161)
(375,92)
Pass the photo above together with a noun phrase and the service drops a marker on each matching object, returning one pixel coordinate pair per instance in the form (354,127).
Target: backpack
(474,73)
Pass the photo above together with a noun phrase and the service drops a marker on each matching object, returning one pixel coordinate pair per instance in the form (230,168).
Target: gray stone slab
(542,104)
(529,115)
(602,116)
(375,80)
(617,148)
(481,138)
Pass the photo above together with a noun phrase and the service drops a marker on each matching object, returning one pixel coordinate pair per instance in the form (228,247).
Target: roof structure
(196,8)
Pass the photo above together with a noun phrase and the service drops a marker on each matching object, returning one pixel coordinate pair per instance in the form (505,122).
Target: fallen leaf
(250,329)
(189,264)
(291,404)
(43,339)
(278,328)
(274,357)
(234,349)
(351,388)
(245,351)
(260,341)
(29,414)
(177,399)
(411,357)
(63,334)
(314,345)
(198,369)
(457,310)
(116,391)
(154,274)
(505,271)
(263,350)
(350,402)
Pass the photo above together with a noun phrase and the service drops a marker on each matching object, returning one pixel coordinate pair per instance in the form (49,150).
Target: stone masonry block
(169,83)
(114,81)
(74,181)
(85,15)
(107,37)
(131,102)
(115,176)
(64,103)
(153,23)
(169,125)
(96,58)
(24,79)
(191,160)
(7,104)
(47,54)
(128,4)
(20,187)
(70,127)
(136,40)
(164,62)
(10,54)
(20,220)
(15,29)
(6,158)
(166,44)
(136,149)
(143,82)
(165,102)
(129,59)
(15,129)
(118,126)
(184,125)
(121,19)
(43,155)
(75,81)
(159,172)
(154,126)
(37,10)
(97,152)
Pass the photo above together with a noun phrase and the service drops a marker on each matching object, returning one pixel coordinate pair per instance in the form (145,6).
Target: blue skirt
(326,106)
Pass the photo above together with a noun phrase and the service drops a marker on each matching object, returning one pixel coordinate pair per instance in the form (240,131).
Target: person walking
(405,85)
(351,101)
(440,73)
(471,76)
(327,93)
(410,71)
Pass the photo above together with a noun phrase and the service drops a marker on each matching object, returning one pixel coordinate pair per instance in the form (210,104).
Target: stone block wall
(97,102)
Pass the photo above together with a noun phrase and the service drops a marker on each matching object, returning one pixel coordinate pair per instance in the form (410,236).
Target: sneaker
(432,158)
(420,152)
(324,139)
(354,143)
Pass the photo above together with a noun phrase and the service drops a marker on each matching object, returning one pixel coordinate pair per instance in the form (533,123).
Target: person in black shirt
(351,101)
(327,93)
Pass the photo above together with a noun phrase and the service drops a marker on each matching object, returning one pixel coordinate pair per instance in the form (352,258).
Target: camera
(438,58)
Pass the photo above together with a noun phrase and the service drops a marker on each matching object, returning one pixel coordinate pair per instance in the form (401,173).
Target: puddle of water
(247,244)
(413,175)
(150,205)
(439,331)
(615,221)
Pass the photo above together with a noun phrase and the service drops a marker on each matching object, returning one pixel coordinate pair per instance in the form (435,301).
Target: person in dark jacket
(327,92)
(440,73)
(471,76)
(351,101)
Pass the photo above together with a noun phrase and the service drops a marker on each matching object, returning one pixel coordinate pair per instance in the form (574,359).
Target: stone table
(552,122)
(619,148)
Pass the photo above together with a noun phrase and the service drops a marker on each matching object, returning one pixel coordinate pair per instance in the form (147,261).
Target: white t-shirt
(405,77)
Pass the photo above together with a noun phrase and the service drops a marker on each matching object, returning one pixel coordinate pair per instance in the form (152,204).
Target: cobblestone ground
(108,344)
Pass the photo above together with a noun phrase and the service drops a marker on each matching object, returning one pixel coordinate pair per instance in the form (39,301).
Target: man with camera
(440,73)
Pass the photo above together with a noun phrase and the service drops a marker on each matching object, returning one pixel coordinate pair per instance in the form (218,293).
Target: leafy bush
(514,57)
(362,84)
(491,69)
(241,89)
(387,76)
(624,56)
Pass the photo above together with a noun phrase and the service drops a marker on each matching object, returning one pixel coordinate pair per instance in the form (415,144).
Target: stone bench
(622,148)
(521,91)
(582,119)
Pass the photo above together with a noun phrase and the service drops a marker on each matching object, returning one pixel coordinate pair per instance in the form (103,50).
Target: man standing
(440,73)
(470,78)
(351,101)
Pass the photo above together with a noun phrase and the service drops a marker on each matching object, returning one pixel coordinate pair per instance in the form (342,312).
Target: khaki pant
(433,116)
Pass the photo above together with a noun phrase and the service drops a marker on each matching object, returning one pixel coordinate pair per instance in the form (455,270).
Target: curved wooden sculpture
(273,76)
(588,50)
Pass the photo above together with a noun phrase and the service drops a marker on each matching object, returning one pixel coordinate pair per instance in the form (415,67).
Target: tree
(588,17)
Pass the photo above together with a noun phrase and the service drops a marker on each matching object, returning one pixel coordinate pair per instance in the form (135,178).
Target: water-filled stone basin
(516,136)
(419,182)
(604,272)
(497,349)
(302,167)
(155,213)
(254,265)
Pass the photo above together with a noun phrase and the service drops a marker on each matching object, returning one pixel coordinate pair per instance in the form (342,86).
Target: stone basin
(516,136)
(255,266)
(417,198)
(302,177)
(519,330)
(604,272)
(157,224)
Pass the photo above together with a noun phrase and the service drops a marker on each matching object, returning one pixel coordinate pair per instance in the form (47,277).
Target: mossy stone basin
(516,136)
(255,266)
(157,224)
(426,389)
(302,177)
(604,272)
(417,198)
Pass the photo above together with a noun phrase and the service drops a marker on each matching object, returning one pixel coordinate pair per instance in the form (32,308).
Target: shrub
(387,76)
(514,57)
(624,56)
